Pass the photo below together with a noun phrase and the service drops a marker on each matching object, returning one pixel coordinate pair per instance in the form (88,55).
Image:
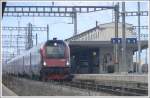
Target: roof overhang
(144,44)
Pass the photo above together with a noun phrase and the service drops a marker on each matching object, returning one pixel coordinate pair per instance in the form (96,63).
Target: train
(49,60)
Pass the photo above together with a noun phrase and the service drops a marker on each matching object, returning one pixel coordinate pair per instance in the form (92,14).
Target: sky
(60,28)
(85,20)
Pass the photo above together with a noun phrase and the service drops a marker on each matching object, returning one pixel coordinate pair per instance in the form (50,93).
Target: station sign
(131,40)
(116,40)
(119,40)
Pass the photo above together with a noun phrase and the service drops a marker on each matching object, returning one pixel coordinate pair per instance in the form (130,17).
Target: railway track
(104,87)
(115,90)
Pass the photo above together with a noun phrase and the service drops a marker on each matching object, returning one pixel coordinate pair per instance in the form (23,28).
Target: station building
(93,52)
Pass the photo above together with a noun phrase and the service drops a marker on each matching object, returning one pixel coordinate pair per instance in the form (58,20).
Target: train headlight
(44,63)
(67,63)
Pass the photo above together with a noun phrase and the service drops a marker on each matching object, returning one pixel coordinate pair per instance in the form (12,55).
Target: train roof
(26,52)
(38,46)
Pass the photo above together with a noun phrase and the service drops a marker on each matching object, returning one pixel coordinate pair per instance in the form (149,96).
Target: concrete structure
(93,52)
(7,92)
(113,77)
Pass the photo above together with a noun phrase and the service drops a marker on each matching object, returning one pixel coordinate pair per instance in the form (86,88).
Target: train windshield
(55,50)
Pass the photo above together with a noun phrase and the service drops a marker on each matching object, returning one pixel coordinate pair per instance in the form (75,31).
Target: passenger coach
(50,60)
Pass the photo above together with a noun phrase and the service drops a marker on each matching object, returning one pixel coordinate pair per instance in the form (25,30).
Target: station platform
(113,77)
(7,92)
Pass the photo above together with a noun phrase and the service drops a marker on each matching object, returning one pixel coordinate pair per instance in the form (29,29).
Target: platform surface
(113,77)
(7,92)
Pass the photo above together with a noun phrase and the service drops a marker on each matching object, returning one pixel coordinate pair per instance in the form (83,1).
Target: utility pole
(113,12)
(18,51)
(124,67)
(29,37)
(36,39)
(116,10)
(47,32)
(146,56)
(26,37)
(96,23)
(139,41)
(75,21)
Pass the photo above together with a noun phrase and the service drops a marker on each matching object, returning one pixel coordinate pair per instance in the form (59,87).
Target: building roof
(101,27)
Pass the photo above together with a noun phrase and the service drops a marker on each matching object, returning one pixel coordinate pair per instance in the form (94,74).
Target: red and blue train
(50,60)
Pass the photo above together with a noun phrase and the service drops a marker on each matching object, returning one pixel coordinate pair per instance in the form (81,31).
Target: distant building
(98,41)
(103,32)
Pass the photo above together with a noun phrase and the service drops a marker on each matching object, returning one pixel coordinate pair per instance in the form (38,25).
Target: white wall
(110,50)
(105,32)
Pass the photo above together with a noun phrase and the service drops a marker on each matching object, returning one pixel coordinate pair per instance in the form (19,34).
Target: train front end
(55,60)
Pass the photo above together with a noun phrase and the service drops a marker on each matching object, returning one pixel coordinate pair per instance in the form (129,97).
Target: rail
(91,86)
(104,87)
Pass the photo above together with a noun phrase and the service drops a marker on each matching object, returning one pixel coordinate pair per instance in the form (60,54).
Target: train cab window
(55,50)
